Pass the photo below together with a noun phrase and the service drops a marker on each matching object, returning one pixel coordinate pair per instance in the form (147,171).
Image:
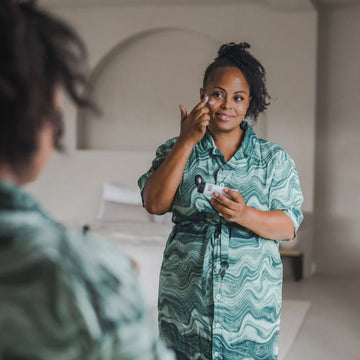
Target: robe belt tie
(216,226)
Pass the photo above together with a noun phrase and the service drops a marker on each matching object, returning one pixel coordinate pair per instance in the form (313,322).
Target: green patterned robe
(64,295)
(220,284)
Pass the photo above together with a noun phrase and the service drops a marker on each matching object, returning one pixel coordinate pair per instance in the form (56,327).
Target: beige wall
(337,239)
(285,42)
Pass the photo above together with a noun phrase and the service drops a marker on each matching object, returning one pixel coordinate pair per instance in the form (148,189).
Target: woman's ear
(58,97)
(202,93)
(249,103)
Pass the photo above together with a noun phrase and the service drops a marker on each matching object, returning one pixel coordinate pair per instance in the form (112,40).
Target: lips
(224,117)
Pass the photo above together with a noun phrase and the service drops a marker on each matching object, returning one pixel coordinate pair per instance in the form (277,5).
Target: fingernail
(226,189)
(216,194)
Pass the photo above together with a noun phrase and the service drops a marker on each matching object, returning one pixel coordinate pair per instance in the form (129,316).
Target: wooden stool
(297,261)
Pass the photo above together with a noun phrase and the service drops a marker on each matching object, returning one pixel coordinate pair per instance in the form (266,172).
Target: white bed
(134,233)
(144,243)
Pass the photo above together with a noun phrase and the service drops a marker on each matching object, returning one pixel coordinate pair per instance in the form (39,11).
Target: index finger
(234,194)
(202,103)
(223,199)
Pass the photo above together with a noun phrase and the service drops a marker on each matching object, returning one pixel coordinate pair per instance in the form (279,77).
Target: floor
(331,328)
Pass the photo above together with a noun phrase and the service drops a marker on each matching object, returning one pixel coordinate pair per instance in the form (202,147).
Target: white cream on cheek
(210,102)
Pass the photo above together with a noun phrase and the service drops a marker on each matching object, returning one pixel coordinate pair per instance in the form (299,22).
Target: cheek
(212,111)
(210,107)
(243,107)
(46,144)
(213,105)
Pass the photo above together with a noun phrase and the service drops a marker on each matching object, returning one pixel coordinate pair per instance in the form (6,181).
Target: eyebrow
(236,92)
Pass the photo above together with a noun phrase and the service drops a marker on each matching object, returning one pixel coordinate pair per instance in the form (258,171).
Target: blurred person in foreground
(63,295)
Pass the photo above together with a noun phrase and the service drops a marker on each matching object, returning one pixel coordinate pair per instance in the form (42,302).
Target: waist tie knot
(216,226)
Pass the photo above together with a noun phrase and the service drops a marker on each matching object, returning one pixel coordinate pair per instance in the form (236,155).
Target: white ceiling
(277,3)
(286,4)
(337,2)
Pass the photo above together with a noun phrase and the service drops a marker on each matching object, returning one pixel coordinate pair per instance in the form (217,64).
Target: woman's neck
(7,174)
(229,143)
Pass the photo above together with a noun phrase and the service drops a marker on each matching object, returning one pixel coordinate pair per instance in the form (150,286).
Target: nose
(226,104)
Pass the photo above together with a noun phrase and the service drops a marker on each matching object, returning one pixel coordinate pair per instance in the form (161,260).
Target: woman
(221,277)
(63,295)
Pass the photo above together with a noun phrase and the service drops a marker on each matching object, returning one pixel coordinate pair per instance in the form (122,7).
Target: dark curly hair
(38,52)
(237,55)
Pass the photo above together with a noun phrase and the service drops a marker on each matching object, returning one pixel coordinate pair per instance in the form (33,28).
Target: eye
(218,95)
(238,98)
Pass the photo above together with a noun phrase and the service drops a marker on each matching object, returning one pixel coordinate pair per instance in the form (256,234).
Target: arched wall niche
(139,85)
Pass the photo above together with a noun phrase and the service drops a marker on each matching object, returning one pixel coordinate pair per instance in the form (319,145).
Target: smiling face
(229,99)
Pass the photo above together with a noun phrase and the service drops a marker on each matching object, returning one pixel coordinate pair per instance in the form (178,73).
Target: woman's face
(229,99)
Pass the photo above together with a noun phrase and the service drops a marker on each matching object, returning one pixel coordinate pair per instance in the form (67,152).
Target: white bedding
(133,233)
(143,242)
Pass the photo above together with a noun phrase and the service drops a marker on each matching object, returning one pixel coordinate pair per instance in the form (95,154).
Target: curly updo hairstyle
(237,55)
(38,52)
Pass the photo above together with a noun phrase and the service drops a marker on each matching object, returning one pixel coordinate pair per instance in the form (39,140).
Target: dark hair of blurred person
(40,56)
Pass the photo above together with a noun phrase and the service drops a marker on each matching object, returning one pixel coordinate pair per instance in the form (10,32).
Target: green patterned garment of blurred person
(64,295)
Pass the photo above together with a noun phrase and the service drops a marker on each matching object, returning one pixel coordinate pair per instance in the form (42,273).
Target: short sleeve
(161,154)
(285,192)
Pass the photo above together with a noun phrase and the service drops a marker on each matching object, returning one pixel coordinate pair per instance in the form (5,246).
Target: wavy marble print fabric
(65,295)
(220,284)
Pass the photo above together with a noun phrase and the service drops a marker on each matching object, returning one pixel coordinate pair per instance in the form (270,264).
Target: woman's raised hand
(193,126)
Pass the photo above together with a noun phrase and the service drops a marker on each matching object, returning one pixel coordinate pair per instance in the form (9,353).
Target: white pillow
(162,219)
(119,204)
(115,193)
